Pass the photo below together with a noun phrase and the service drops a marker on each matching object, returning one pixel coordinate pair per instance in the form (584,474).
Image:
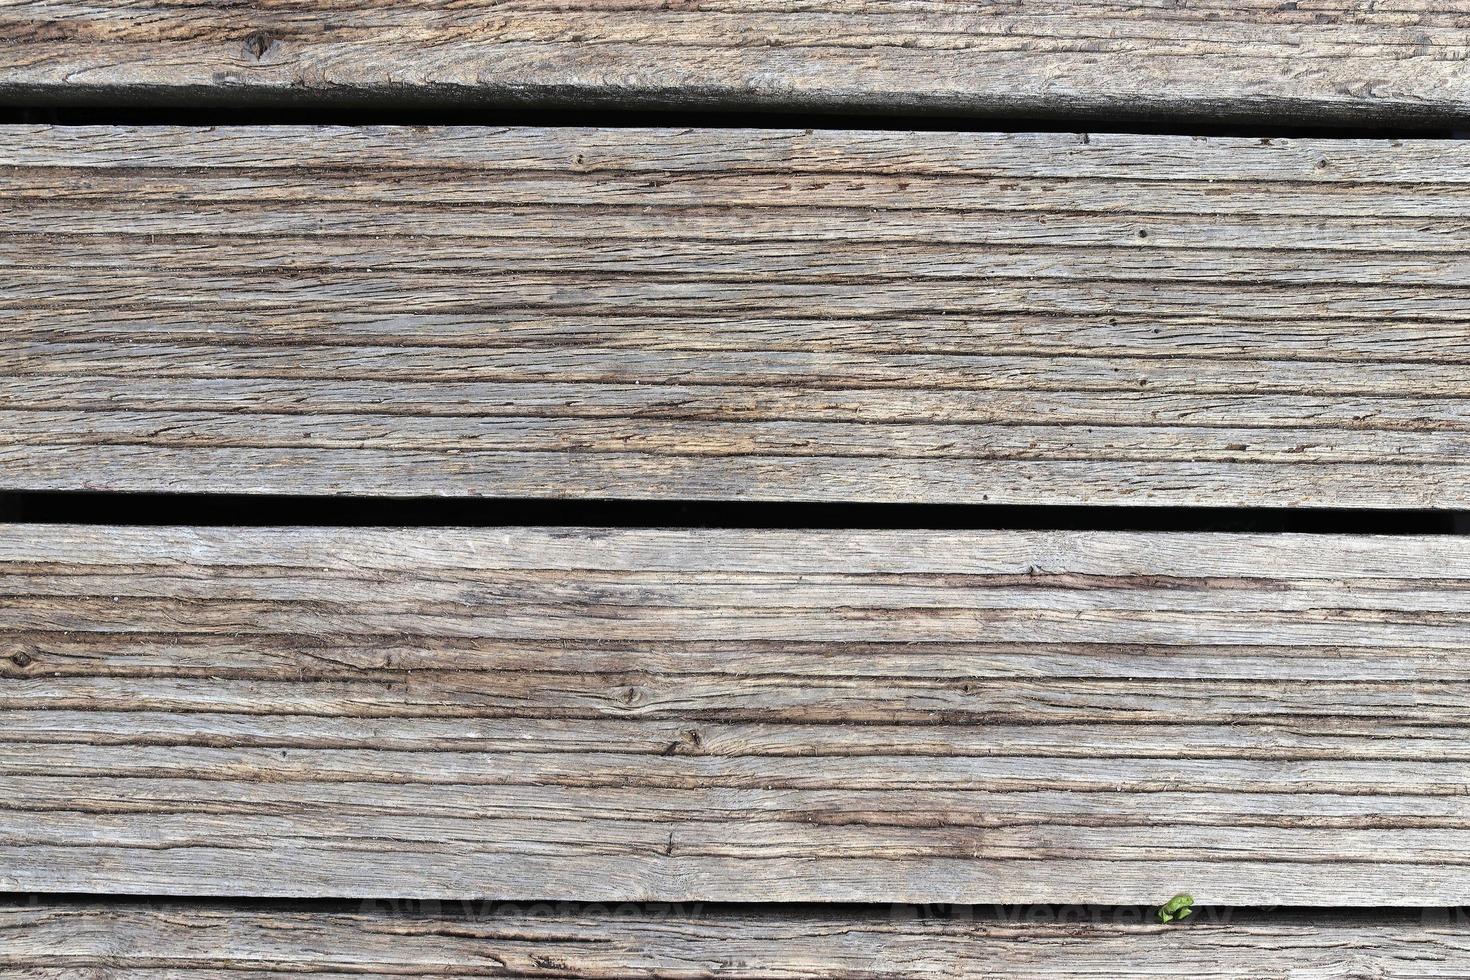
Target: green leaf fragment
(1176,908)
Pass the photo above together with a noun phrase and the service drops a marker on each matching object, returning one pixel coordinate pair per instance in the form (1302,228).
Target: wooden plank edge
(49,939)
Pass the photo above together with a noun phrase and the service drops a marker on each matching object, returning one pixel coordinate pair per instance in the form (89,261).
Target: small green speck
(1177,908)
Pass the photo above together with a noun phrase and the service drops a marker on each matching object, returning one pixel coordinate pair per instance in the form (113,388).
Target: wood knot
(258,44)
(22,659)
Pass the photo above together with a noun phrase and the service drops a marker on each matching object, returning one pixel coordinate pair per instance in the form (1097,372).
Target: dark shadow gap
(84,115)
(242,510)
(486,911)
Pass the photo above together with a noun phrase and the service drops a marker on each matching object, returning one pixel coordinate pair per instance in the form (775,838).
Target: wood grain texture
(176,941)
(768,315)
(735,715)
(1258,60)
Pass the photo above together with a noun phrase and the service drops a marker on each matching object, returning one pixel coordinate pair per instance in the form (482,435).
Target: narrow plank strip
(172,941)
(703,715)
(767,315)
(1319,61)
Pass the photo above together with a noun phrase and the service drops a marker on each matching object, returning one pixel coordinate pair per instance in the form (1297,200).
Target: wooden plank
(201,942)
(1258,60)
(702,715)
(770,315)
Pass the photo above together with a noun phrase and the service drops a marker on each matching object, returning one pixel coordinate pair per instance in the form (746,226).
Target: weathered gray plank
(772,315)
(1349,60)
(176,941)
(735,715)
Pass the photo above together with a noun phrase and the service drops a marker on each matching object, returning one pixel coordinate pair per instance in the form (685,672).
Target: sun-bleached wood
(1207,60)
(172,941)
(719,715)
(764,315)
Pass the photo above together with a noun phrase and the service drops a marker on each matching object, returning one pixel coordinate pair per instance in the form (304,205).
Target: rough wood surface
(735,715)
(735,314)
(175,942)
(1261,60)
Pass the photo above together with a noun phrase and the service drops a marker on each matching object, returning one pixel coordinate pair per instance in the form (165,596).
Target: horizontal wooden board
(705,715)
(215,942)
(769,315)
(1258,60)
